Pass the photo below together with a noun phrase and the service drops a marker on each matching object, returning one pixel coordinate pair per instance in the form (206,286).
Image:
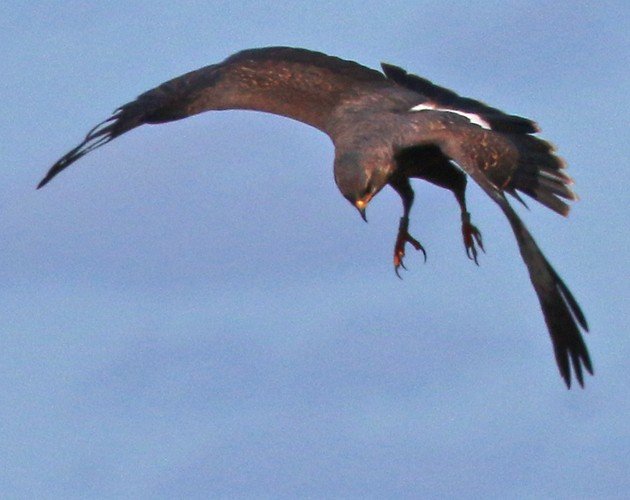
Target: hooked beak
(362,205)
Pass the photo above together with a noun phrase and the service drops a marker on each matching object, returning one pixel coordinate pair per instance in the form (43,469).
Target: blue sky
(194,311)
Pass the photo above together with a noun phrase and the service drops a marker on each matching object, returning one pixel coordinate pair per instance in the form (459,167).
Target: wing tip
(573,363)
(118,123)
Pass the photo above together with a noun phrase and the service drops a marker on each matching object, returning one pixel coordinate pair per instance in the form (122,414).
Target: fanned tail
(540,174)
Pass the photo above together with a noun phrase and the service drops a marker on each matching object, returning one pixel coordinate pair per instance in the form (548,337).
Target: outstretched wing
(122,120)
(167,102)
(296,83)
(491,158)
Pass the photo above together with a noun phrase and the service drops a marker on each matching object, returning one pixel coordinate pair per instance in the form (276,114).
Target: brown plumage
(386,128)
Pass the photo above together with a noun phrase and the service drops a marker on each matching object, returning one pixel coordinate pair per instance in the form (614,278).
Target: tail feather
(549,200)
(514,194)
(540,174)
(556,187)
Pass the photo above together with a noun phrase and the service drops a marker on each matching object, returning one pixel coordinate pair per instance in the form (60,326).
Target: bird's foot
(472,237)
(399,249)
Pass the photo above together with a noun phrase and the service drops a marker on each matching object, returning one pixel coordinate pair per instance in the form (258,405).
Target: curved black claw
(472,237)
(397,268)
(399,250)
(420,248)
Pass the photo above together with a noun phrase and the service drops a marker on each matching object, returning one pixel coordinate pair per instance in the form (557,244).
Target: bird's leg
(429,165)
(403,188)
(470,233)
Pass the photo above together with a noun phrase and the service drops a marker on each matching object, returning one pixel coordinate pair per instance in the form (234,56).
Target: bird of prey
(386,128)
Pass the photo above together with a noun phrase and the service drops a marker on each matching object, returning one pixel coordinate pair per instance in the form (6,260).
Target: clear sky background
(194,310)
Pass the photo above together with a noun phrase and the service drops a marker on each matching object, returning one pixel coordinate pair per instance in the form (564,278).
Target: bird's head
(359,179)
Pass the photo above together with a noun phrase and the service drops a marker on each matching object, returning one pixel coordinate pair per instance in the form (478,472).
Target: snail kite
(386,128)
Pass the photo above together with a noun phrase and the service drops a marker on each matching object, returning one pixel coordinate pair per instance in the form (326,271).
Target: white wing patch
(472,118)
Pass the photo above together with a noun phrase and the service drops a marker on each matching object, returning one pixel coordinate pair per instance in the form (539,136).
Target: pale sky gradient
(194,311)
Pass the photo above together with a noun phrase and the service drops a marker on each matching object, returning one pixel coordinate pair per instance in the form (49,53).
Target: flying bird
(387,127)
